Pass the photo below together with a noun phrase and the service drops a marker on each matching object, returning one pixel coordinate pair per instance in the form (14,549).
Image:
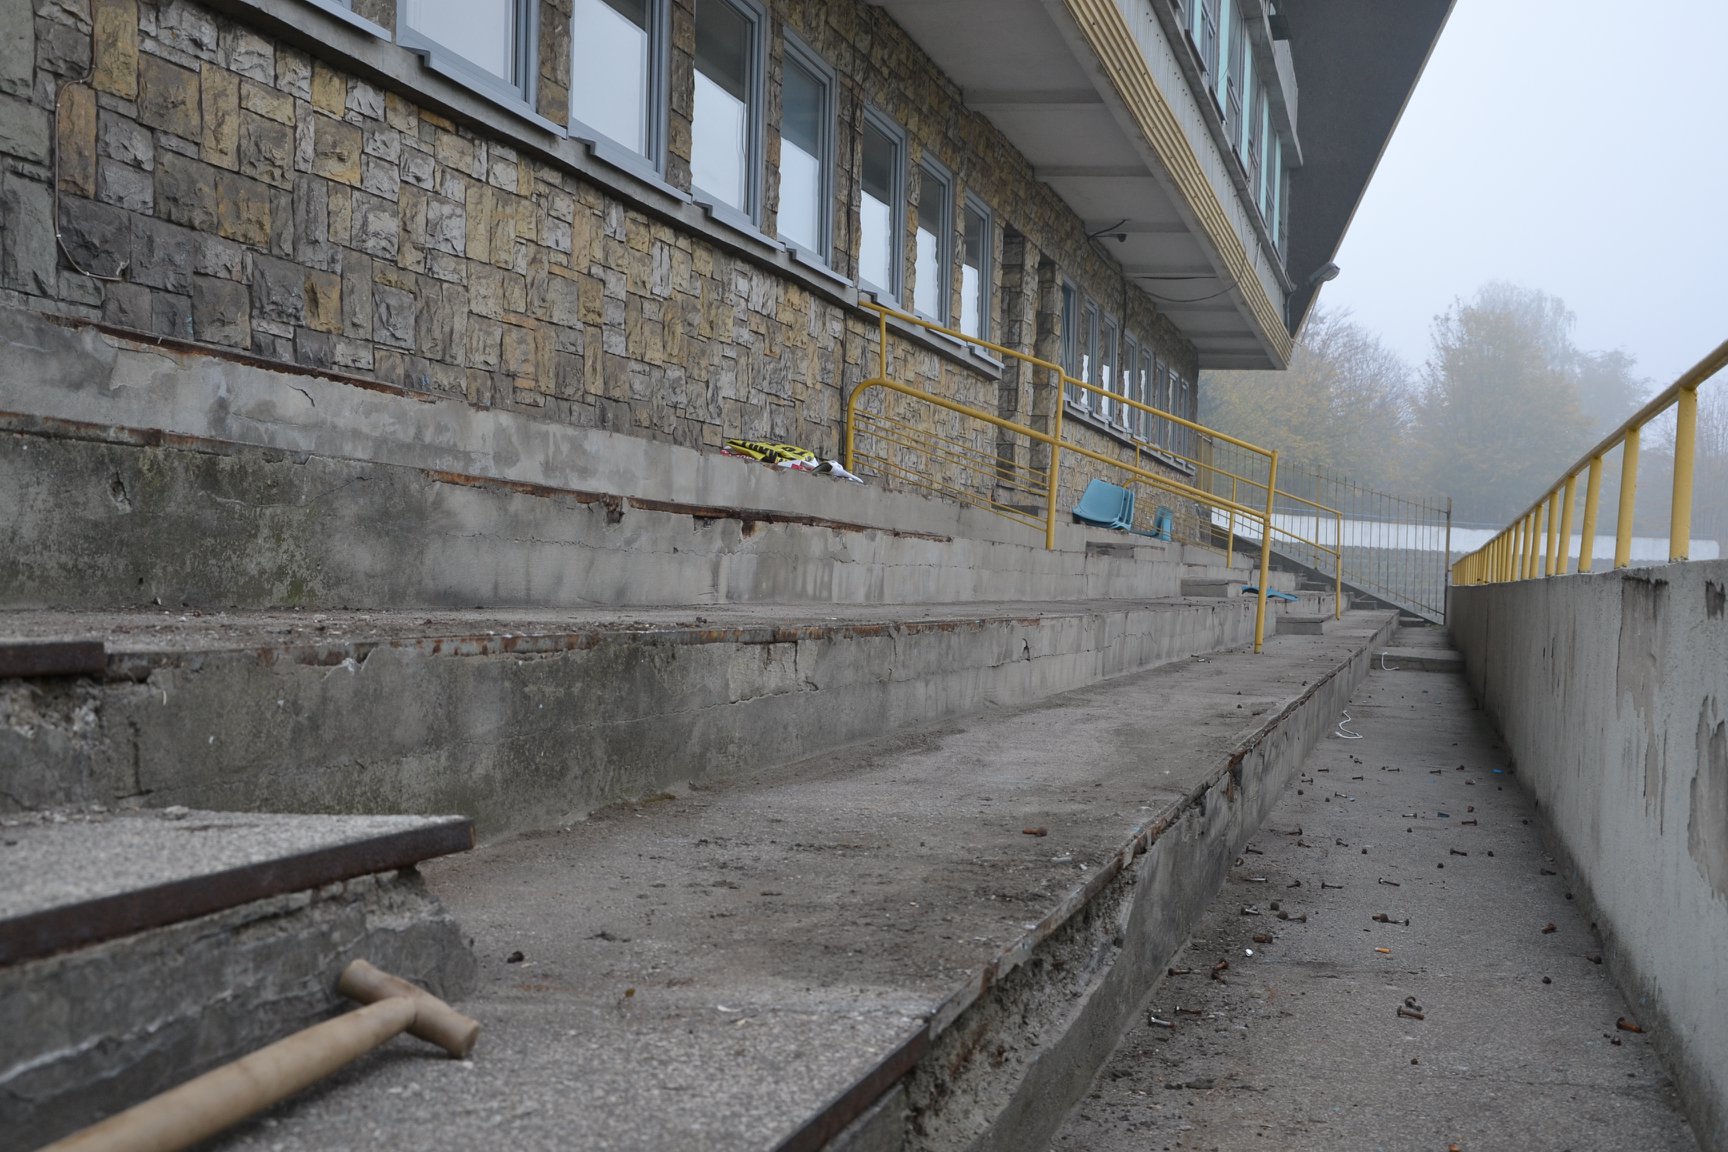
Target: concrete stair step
(139,949)
(946,926)
(524,720)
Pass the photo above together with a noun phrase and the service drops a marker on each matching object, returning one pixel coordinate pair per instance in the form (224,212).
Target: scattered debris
(1324,885)
(1626,1024)
(1219,969)
(1156,1022)
(1594,957)
(1250,910)
(1178,971)
(1035,831)
(514,958)
(1548,928)
(1545,871)
(1411,1013)
(1302,919)
(1389,883)
(1547,980)
(1253,851)
(1382,918)
(1262,937)
(1384,951)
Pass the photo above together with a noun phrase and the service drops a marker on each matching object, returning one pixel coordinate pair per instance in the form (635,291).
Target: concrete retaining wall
(1611,691)
(533,731)
(135,474)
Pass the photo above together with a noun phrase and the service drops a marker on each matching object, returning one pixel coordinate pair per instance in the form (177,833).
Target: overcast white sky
(1576,146)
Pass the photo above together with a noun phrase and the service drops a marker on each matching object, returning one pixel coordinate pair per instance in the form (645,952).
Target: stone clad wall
(223,186)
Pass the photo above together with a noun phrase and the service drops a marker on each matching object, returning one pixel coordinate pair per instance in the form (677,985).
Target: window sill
(348,16)
(947,347)
(488,88)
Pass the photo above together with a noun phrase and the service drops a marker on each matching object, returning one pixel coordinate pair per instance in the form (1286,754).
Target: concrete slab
(531,720)
(1409,876)
(1304,624)
(77,878)
(977,900)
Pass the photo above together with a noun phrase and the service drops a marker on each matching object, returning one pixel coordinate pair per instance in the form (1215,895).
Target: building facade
(661,216)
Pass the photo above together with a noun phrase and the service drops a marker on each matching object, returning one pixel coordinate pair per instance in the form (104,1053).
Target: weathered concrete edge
(854,1119)
(38,934)
(1577,736)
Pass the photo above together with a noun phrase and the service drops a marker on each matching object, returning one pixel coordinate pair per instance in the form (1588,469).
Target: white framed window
(617,70)
(1223,89)
(1103,402)
(933,245)
(881,205)
(806,151)
(726,117)
(1148,391)
(1071,341)
(1242,118)
(1130,417)
(977,243)
(1088,352)
(488,44)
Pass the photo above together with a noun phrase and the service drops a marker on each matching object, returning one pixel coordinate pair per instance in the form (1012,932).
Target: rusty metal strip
(38,934)
(30,658)
(767,516)
(815,1133)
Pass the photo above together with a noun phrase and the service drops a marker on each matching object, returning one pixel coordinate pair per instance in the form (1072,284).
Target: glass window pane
(972,264)
(720,122)
(1106,366)
(803,138)
(610,70)
(876,209)
(482,32)
(931,248)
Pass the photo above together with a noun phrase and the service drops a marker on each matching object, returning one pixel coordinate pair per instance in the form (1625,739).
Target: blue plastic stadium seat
(1105,505)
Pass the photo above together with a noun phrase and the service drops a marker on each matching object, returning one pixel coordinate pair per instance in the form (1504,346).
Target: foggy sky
(1576,146)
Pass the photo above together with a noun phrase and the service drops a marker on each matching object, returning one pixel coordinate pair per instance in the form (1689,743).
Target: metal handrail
(1538,541)
(1053,439)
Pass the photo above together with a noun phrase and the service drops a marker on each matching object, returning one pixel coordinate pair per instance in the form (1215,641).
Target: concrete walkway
(1413,867)
(712,969)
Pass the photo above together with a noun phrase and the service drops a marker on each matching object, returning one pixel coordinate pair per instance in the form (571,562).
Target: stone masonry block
(335,150)
(78,140)
(171,315)
(266,101)
(243,209)
(393,316)
(374,226)
(278,290)
(168,98)
(323,296)
(186,192)
(115,37)
(125,186)
(17,47)
(446,225)
(221,311)
(62,49)
(221,109)
(247,53)
(266,150)
(24,130)
(124,139)
(98,236)
(27,256)
(329,89)
(357,303)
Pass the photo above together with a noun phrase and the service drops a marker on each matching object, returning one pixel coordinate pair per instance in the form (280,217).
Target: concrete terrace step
(140,949)
(524,720)
(928,940)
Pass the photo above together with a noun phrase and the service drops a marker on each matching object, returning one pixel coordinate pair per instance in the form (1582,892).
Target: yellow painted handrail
(1058,444)
(1538,542)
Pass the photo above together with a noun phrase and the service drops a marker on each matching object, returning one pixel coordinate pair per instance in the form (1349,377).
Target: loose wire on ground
(1343,729)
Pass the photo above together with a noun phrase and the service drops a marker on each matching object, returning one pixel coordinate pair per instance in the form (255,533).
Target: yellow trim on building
(1108,33)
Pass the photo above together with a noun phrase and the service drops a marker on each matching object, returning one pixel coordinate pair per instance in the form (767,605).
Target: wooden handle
(434,1021)
(200,1108)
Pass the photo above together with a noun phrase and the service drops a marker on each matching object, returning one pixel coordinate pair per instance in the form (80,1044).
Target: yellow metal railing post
(1554,532)
(1628,499)
(1592,502)
(1518,548)
(1685,443)
(1566,523)
(1266,550)
(1230,537)
(1055,465)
